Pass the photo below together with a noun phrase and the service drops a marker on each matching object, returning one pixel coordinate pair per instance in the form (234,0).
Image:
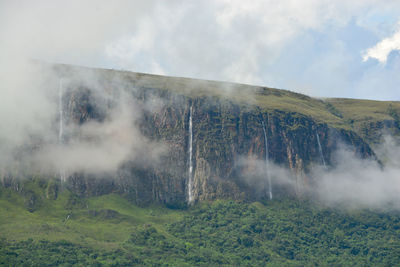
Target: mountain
(140,169)
(227,135)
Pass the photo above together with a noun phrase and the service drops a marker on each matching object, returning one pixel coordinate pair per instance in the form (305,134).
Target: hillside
(110,231)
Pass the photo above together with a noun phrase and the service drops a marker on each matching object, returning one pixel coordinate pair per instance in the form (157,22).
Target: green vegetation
(110,231)
(364,110)
(367,117)
(394,113)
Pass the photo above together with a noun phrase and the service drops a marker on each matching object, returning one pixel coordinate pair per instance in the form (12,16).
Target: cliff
(227,133)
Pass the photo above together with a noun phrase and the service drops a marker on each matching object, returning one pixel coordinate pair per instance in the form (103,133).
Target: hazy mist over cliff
(100,146)
(351,183)
(30,115)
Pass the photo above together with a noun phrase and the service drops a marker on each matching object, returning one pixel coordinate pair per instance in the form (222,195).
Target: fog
(352,183)
(74,32)
(103,146)
(361,183)
(30,118)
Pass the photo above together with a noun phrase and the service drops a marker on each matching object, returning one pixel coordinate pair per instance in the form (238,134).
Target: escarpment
(226,139)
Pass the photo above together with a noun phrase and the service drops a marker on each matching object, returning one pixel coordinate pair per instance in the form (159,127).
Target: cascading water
(267,161)
(190,178)
(320,150)
(60,129)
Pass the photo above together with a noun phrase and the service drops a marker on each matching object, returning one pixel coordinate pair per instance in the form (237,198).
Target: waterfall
(320,150)
(190,178)
(60,109)
(267,161)
(60,129)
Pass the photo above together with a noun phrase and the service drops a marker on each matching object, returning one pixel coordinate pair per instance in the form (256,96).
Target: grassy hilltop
(352,114)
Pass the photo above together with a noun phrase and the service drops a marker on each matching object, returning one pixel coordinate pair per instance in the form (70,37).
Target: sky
(322,48)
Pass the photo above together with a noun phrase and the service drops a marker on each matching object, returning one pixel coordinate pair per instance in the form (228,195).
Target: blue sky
(322,48)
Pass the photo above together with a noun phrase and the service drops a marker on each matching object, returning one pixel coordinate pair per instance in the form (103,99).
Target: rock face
(228,143)
(228,146)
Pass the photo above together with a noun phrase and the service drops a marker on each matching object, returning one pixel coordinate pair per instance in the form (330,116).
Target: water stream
(60,129)
(190,178)
(267,161)
(321,154)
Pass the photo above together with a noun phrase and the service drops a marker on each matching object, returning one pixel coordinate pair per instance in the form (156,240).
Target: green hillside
(110,231)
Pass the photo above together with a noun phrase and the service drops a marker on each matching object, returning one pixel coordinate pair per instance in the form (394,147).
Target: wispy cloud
(382,49)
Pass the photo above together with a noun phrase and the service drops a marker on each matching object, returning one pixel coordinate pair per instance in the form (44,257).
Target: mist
(352,183)
(361,183)
(72,32)
(103,146)
(29,107)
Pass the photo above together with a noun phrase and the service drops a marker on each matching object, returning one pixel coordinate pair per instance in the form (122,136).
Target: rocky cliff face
(228,146)
(228,142)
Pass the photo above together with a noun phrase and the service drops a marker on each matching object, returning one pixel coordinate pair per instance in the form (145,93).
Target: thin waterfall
(267,161)
(320,150)
(60,129)
(190,178)
(60,109)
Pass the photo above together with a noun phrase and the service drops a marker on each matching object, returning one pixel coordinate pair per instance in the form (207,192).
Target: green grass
(110,231)
(50,221)
(362,111)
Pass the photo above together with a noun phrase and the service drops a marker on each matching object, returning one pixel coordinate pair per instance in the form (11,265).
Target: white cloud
(382,49)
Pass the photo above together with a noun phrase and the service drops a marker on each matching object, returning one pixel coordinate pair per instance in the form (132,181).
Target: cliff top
(337,112)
